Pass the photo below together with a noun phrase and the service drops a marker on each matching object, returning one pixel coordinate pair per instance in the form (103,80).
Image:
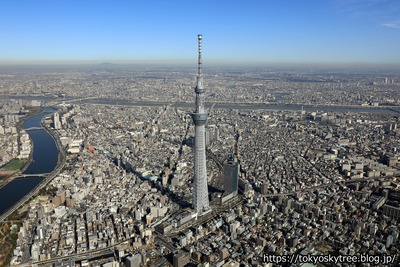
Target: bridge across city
(70,100)
(33,128)
(32,174)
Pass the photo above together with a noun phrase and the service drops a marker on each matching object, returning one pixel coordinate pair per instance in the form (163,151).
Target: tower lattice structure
(200,189)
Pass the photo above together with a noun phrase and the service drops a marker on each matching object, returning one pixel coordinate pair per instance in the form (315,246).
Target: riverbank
(61,153)
(8,176)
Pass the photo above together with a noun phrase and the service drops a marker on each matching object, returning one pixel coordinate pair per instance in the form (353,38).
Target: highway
(75,257)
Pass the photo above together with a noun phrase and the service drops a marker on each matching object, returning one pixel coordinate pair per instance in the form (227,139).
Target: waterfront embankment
(48,157)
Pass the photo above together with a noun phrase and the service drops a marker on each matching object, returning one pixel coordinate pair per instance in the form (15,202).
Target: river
(255,106)
(44,160)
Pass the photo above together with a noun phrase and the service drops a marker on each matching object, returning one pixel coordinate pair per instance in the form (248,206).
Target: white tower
(200,189)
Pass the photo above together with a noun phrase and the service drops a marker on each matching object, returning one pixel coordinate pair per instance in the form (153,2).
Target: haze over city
(333,31)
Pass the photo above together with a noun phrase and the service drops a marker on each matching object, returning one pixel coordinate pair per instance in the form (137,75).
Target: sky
(246,31)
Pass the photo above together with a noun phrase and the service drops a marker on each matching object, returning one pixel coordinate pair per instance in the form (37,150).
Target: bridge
(32,174)
(79,99)
(33,128)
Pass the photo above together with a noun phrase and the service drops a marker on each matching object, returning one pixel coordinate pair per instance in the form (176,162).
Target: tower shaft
(200,189)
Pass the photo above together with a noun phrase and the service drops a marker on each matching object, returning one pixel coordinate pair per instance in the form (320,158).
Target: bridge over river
(33,128)
(32,174)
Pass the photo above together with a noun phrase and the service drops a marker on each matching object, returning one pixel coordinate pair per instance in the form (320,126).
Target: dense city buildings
(165,83)
(298,163)
(15,145)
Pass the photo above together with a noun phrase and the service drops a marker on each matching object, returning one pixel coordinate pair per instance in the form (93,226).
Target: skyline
(259,32)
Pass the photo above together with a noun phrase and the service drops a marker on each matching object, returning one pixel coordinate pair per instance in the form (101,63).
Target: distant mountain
(107,64)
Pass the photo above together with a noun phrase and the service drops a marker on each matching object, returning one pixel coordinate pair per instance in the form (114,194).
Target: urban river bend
(44,160)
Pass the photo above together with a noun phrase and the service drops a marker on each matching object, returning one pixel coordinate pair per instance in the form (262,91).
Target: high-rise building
(212,134)
(200,189)
(134,261)
(57,122)
(230,174)
(181,259)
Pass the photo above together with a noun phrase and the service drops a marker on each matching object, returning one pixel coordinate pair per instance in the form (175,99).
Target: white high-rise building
(57,122)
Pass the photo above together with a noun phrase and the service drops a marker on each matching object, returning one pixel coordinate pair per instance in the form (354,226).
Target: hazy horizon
(257,32)
(170,64)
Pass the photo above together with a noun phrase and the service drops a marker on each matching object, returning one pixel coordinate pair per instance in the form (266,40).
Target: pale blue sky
(260,31)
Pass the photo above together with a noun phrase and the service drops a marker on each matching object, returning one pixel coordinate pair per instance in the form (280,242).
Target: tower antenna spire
(199,68)
(199,86)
